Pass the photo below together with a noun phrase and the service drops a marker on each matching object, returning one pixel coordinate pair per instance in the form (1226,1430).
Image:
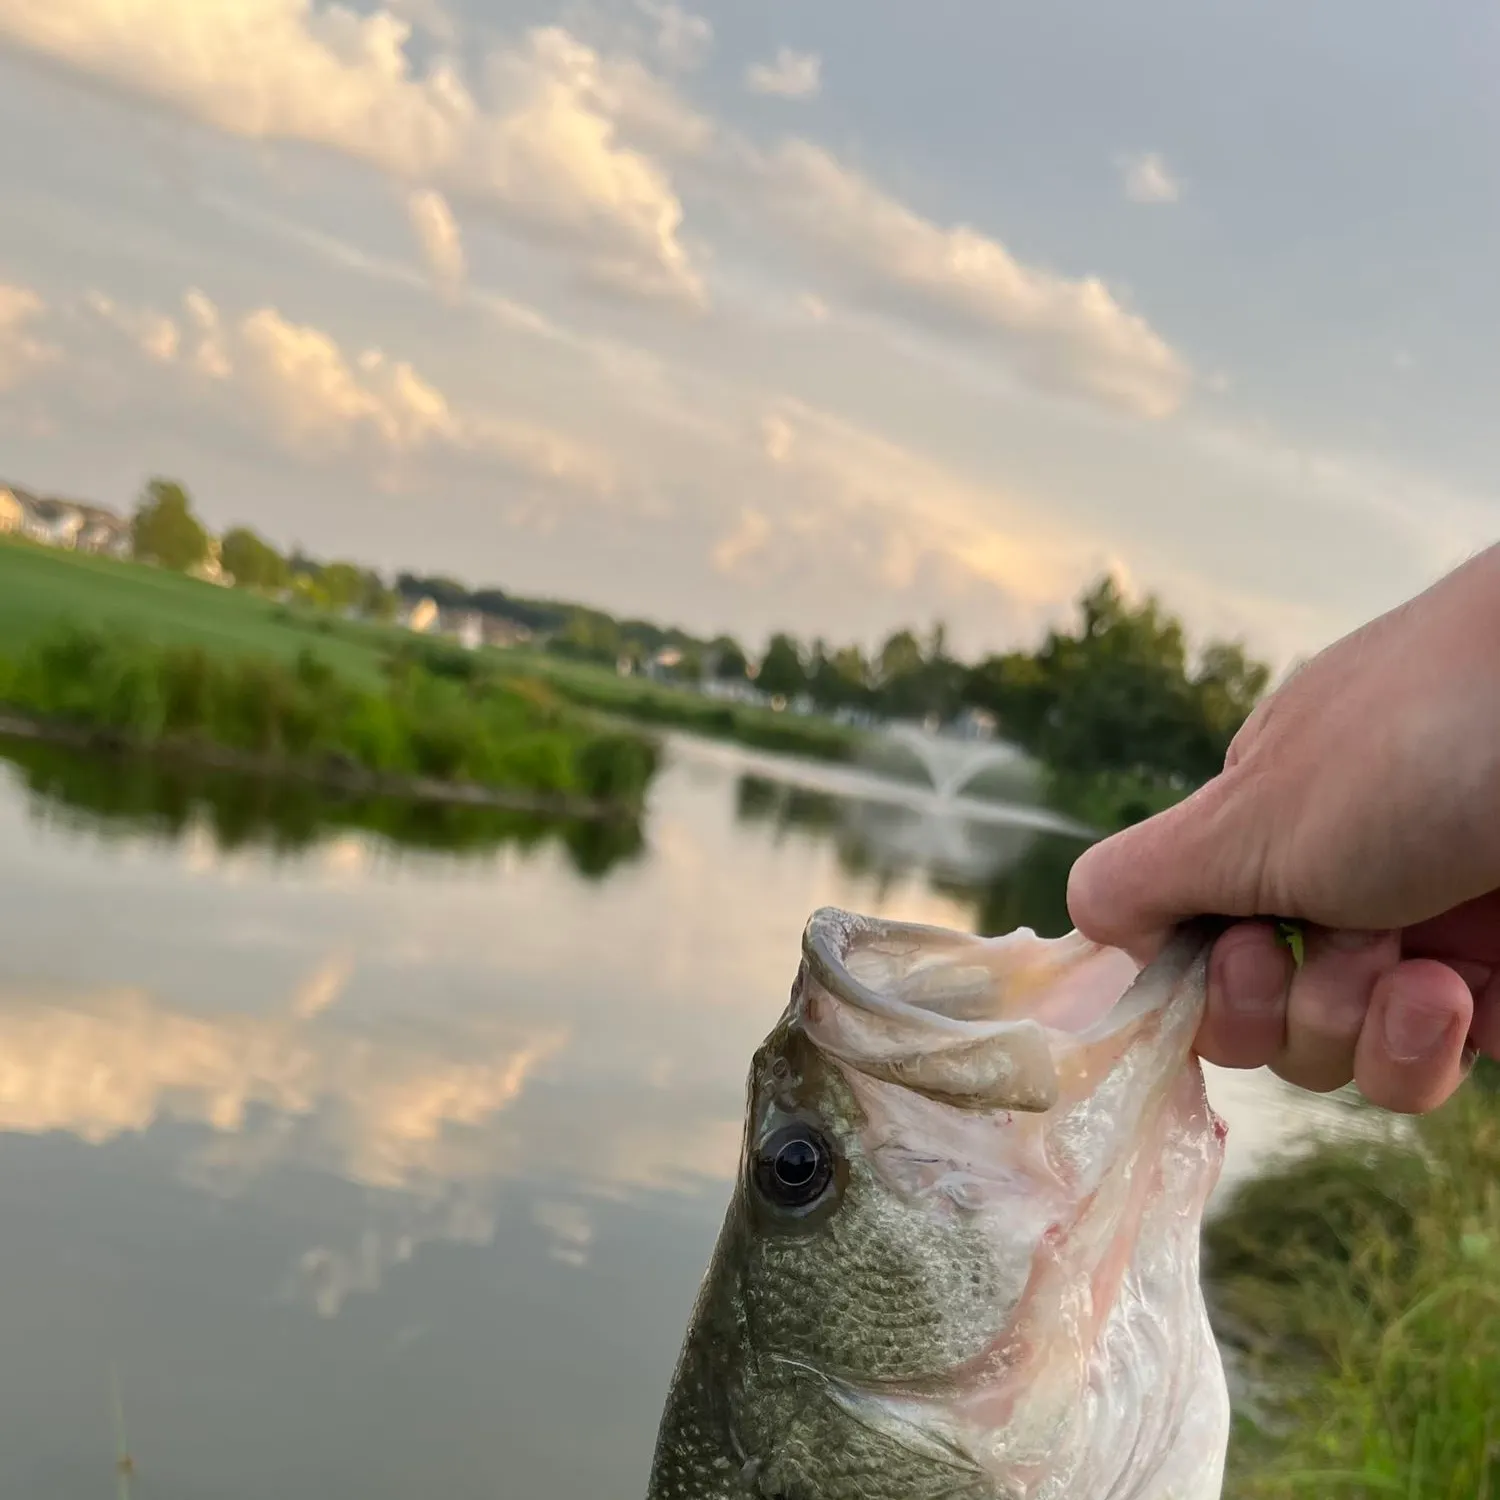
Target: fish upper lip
(831,934)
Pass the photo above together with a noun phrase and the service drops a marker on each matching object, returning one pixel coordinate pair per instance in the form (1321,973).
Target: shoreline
(341,777)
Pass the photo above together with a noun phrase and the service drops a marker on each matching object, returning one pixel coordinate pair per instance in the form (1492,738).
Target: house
(469,628)
(104,533)
(53,523)
(12,513)
(63,523)
(421,616)
(211,569)
(732,690)
(664,664)
(499,631)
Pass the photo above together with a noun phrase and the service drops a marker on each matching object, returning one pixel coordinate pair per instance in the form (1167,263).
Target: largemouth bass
(961,1256)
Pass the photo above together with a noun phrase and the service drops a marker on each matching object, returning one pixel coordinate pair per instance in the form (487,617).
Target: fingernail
(1412,1032)
(1254,982)
(1353,939)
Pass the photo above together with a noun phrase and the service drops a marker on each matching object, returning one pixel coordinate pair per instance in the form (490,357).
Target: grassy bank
(487,732)
(660,704)
(1363,1282)
(43,589)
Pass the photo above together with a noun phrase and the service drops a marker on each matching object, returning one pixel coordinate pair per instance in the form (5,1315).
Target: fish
(960,1260)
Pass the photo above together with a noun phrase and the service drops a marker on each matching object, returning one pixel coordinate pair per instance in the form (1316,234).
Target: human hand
(1363,798)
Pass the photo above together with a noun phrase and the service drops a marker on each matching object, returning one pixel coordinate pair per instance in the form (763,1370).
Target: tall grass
(1364,1282)
(488,731)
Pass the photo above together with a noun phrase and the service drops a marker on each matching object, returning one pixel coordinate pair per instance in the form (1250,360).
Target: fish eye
(794,1166)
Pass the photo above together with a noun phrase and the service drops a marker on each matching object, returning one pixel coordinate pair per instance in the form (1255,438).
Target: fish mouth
(1010,1022)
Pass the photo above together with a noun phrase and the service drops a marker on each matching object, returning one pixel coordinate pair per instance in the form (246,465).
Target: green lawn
(41,588)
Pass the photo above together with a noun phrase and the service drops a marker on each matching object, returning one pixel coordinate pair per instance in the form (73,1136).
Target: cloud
(154,334)
(209,357)
(21,351)
(1147,179)
(428,16)
(546,155)
(747,540)
(320,401)
(813,308)
(645,109)
(682,39)
(836,495)
(571,1228)
(302,376)
(113,1063)
(1069,334)
(793,75)
(438,235)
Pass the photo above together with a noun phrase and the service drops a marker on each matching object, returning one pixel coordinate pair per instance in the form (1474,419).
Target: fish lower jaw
(1133,1406)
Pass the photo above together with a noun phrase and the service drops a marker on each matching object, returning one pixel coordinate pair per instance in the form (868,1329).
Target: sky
(825,315)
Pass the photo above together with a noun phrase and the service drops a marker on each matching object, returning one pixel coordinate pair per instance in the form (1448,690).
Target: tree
(251,560)
(1226,687)
(341,585)
(782,674)
(730,661)
(446,593)
(901,654)
(1120,695)
(839,679)
(165,531)
(376,600)
(852,673)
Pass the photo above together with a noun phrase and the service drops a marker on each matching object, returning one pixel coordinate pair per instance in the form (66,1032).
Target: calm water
(378,1172)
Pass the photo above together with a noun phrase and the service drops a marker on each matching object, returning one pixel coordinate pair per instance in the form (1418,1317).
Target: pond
(366,1155)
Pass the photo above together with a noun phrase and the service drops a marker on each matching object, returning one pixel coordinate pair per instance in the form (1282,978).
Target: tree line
(1118,692)
(166,531)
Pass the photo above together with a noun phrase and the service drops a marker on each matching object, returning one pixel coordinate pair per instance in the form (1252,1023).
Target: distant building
(502,632)
(12,513)
(469,628)
(731,689)
(63,523)
(663,664)
(105,535)
(421,616)
(53,523)
(211,569)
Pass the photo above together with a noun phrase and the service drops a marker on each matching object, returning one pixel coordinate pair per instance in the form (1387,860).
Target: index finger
(1132,889)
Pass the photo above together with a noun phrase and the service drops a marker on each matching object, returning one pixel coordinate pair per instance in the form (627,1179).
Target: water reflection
(132,796)
(1011,876)
(380,1174)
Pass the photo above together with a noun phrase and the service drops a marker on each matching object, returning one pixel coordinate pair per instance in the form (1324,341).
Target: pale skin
(1363,799)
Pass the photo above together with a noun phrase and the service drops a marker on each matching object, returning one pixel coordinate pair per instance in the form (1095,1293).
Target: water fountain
(952,764)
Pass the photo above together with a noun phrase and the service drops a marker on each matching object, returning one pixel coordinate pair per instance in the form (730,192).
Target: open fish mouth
(1014,1022)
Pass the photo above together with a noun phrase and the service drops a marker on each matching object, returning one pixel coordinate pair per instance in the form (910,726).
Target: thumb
(1202,857)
